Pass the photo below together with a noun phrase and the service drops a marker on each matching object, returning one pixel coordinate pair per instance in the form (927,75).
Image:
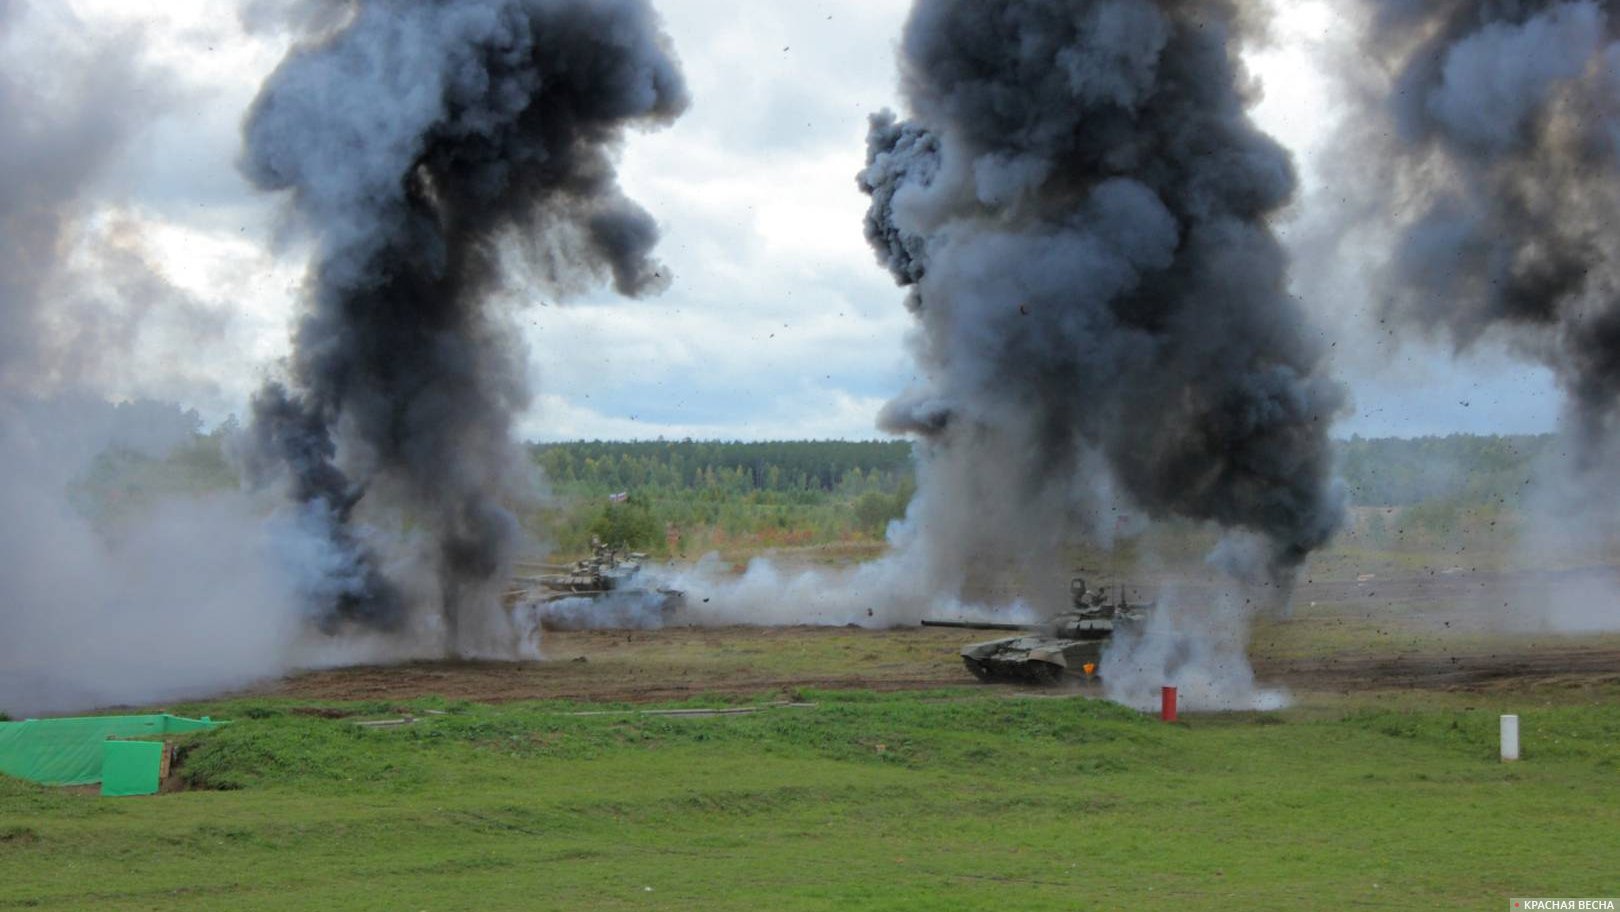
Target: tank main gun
(974,625)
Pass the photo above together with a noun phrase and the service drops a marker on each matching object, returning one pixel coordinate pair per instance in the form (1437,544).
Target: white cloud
(810,413)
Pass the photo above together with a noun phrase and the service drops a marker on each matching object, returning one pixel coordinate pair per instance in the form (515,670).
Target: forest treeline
(1403,472)
(854,466)
(785,492)
(1378,471)
(689,496)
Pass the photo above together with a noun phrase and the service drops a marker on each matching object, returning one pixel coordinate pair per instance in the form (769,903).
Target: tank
(1065,645)
(608,574)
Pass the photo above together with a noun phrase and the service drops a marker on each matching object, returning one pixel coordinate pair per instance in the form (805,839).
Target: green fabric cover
(130,767)
(68,751)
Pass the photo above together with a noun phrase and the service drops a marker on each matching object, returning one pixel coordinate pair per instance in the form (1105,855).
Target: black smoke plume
(419,143)
(1079,204)
(1496,140)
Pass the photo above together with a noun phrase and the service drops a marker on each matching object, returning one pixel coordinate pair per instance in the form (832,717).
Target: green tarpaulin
(69,751)
(131,767)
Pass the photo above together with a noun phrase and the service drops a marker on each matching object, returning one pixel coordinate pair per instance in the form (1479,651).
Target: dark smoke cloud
(1079,205)
(1495,143)
(415,142)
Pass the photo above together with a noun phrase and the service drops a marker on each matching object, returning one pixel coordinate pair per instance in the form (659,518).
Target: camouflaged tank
(1062,646)
(605,574)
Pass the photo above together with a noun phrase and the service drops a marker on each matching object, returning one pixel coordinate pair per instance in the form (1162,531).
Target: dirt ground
(615,676)
(1440,627)
(678,662)
(668,664)
(1588,666)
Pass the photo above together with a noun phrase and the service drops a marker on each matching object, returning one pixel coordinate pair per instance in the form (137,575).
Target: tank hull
(1031,659)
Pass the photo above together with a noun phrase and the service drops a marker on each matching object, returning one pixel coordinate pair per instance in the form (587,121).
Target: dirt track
(642,666)
(499,682)
(646,665)
(1566,667)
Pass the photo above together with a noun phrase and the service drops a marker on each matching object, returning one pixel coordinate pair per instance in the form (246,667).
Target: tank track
(1044,674)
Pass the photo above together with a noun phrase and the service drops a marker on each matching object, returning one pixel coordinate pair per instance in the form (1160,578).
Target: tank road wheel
(979,669)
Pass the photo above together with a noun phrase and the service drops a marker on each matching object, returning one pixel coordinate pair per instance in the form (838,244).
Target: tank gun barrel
(975,625)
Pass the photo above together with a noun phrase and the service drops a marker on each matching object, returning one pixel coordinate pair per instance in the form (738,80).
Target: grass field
(546,785)
(968,798)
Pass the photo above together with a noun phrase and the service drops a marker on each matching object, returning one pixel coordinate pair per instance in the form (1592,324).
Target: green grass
(950,800)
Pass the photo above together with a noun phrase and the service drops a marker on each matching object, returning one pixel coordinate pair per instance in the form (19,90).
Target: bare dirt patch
(675,663)
(1506,669)
(668,664)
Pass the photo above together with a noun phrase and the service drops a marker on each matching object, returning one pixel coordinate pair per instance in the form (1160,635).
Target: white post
(1510,738)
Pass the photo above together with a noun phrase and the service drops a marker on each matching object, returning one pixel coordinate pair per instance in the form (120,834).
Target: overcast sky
(778,324)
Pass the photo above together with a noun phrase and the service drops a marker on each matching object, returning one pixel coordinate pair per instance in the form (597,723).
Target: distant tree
(875,510)
(629,524)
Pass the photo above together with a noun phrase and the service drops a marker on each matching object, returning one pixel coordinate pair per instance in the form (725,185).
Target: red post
(1167,704)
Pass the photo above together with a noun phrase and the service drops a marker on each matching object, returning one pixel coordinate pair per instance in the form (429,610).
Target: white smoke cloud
(184,597)
(1195,641)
